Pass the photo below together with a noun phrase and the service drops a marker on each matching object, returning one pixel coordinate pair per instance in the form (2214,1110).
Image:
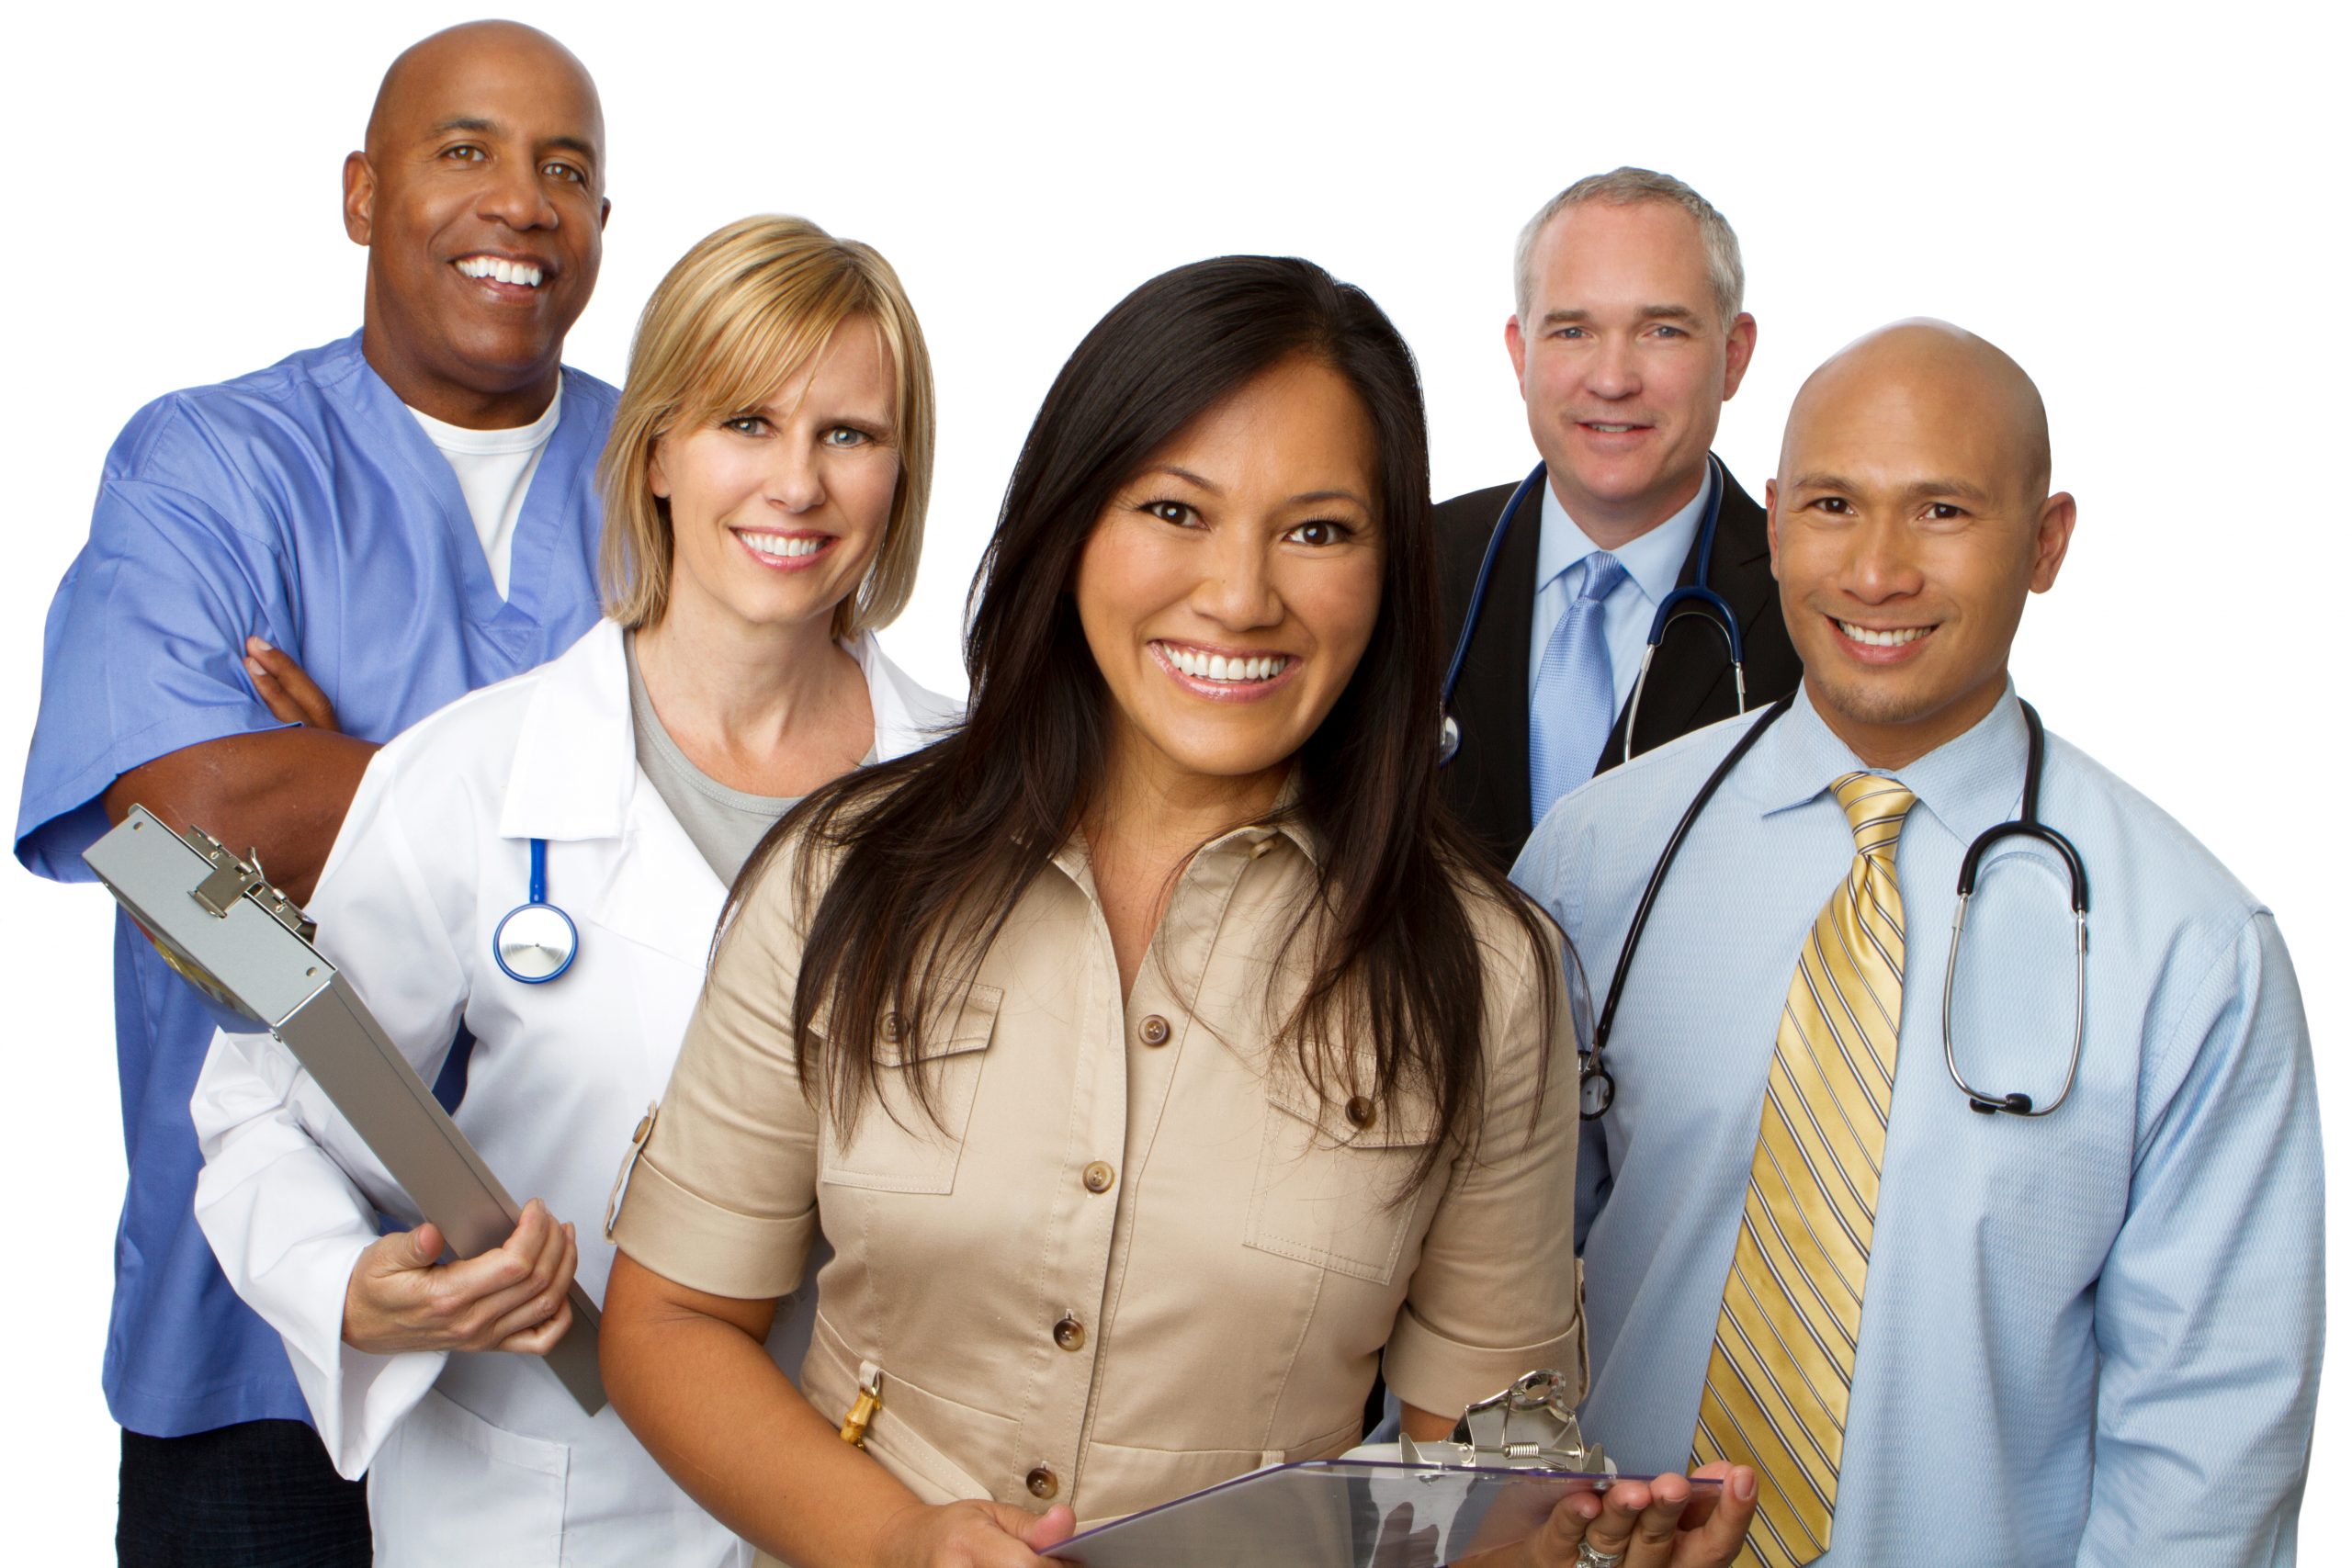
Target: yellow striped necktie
(1783,1358)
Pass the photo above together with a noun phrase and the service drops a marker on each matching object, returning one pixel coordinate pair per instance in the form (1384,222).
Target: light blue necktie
(1575,703)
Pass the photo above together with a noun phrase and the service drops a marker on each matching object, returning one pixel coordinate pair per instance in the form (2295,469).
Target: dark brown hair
(929,854)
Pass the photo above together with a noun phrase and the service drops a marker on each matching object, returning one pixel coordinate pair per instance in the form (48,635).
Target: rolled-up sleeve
(143,650)
(719,1194)
(1497,1291)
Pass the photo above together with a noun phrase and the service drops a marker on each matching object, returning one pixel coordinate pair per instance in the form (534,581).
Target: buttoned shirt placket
(1117,1097)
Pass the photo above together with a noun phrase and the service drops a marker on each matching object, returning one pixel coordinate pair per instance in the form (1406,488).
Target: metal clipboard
(246,946)
(1333,1514)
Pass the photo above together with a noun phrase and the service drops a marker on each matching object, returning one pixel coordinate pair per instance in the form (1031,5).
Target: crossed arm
(281,793)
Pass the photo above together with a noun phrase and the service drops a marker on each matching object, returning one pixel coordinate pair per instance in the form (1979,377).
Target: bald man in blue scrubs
(407,513)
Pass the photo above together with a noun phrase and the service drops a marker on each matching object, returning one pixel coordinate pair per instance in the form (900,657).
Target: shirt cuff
(1442,1376)
(704,1247)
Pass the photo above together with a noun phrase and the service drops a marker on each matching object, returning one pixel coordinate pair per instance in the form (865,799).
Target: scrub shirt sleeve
(1497,1291)
(2209,1310)
(288,1194)
(720,1195)
(143,650)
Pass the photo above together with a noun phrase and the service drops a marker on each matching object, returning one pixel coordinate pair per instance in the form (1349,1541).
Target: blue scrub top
(302,503)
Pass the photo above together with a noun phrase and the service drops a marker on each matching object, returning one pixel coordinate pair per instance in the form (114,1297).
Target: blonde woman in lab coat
(764,491)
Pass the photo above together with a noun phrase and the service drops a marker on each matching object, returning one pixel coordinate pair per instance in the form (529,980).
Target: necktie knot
(1602,574)
(1875,807)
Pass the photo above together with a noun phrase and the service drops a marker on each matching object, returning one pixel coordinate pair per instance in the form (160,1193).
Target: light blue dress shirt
(302,503)
(2093,1338)
(1653,566)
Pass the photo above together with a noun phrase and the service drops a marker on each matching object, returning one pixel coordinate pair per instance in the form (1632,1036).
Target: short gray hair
(1623,187)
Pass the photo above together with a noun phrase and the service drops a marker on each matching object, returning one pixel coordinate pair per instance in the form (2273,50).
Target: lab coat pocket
(449,1487)
(1331,1183)
(898,1145)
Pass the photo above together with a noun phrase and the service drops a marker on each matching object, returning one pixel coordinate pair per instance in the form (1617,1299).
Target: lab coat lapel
(656,915)
(575,779)
(662,894)
(575,756)
(906,717)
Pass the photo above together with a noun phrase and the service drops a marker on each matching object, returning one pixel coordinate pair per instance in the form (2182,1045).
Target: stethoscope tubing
(1693,598)
(1597,1086)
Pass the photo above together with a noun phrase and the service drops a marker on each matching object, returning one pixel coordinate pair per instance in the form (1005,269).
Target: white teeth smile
(1895,638)
(1613,429)
(500,270)
(780,548)
(1217,667)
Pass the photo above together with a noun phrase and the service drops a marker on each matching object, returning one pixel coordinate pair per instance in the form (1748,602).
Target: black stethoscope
(1597,1089)
(537,942)
(1694,598)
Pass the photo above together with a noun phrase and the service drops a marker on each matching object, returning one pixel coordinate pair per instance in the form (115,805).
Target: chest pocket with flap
(896,1144)
(1327,1171)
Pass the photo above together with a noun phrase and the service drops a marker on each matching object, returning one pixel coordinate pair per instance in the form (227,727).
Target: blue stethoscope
(537,942)
(1694,598)
(1597,1089)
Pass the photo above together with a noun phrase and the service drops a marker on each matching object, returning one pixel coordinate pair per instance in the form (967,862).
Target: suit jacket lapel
(1692,674)
(1490,702)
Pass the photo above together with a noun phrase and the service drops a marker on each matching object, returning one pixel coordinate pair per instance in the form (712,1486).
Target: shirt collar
(1252,840)
(1654,560)
(1967,785)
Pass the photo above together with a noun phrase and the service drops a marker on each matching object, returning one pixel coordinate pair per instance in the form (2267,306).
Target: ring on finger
(1590,1556)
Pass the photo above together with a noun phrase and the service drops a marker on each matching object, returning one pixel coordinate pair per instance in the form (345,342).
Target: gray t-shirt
(725,824)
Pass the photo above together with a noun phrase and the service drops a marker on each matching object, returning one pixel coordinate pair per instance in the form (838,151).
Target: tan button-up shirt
(1137,1255)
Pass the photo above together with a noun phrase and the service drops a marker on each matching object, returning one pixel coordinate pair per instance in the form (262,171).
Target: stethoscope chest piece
(535,942)
(1596,1090)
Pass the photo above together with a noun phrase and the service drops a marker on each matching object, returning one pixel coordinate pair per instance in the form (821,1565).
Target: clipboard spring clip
(233,878)
(1531,1425)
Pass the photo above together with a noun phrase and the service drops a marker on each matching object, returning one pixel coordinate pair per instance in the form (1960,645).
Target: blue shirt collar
(1966,784)
(1654,560)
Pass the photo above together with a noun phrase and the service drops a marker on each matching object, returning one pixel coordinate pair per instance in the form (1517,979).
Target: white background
(2145,211)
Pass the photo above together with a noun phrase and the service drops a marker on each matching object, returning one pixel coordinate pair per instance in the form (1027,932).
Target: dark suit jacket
(1689,683)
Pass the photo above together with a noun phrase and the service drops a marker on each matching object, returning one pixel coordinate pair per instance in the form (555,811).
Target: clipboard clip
(233,878)
(1531,1425)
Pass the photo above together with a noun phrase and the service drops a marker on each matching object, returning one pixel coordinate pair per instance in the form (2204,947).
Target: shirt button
(1098,1176)
(1363,1113)
(1044,1483)
(1070,1333)
(1153,1030)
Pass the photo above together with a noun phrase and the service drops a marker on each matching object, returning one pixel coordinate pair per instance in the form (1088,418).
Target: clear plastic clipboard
(1334,1513)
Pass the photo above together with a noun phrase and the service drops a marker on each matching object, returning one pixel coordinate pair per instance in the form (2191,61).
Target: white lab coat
(484,1457)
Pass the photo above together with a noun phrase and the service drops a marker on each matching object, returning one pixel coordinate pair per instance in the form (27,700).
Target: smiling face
(1228,590)
(1910,518)
(776,513)
(1624,362)
(481,201)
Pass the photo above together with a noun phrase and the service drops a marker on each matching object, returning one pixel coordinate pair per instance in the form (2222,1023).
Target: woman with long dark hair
(1154,1053)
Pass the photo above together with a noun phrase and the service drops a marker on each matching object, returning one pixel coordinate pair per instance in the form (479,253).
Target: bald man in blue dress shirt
(1944,1334)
